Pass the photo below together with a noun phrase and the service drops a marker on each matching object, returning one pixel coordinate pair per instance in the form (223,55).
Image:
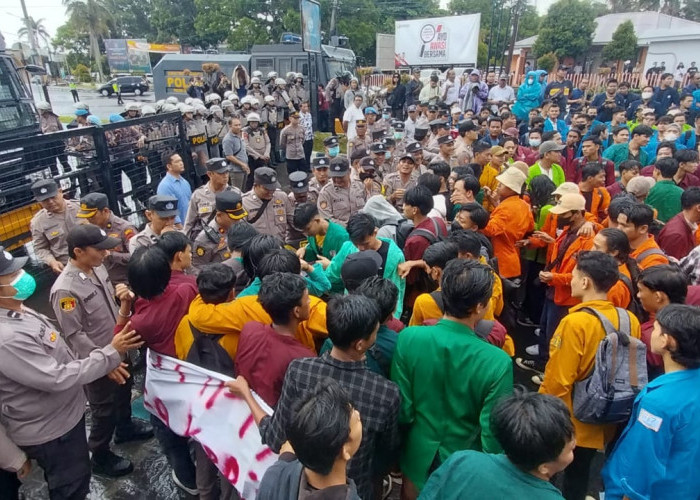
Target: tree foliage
(547,62)
(623,45)
(566,30)
(691,10)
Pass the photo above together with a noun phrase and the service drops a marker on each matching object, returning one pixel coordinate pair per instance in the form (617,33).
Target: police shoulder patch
(67,304)
(200,251)
(323,205)
(128,233)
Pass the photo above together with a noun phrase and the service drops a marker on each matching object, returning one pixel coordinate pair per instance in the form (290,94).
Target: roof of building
(648,26)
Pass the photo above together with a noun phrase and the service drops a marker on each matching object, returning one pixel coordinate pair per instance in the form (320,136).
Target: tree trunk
(95,49)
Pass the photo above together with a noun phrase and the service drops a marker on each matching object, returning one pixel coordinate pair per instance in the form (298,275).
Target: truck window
(16,112)
(303,68)
(264,65)
(285,66)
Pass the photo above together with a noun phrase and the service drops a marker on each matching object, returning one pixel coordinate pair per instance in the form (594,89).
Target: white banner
(437,41)
(195,403)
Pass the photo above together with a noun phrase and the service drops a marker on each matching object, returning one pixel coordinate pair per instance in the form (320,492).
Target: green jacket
(335,237)
(665,197)
(316,282)
(391,271)
(558,176)
(618,153)
(449,380)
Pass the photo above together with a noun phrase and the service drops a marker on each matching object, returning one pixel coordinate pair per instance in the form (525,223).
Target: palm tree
(38,31)
(95,15)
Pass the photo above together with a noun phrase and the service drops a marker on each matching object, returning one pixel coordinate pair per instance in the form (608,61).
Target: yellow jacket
(571,358)
(228,319)
(488,179)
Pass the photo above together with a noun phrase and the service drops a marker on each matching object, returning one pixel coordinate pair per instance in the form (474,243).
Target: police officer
(292,143)
(379,155)
(421,136)
(197,137)
(362,140)
(331,145)
(340,199)
(83,300)
(269,209)
(201,207)
(396,183)
(299,187)
(41,384)
(210,245)
(414,149)
(94,207)
(257,146)
(438,128)
(216,129)
(51,224)
(161,213)
(367,174)
(319,169)
(447,148)
(268,120)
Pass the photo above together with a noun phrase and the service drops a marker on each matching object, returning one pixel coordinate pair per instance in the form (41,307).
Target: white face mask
(671,137)
(647,95)
(535,142)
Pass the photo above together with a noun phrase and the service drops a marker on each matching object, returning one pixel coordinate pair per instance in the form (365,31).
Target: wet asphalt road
(62,101)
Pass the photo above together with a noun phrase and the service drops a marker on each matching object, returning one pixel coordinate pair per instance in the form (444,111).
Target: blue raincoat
(529,96)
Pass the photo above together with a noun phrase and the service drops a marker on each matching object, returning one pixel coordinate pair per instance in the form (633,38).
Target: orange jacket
(649,260)
(510,221)
(561,274)
(619,294)
(550,227)
(600,201)
(488,179)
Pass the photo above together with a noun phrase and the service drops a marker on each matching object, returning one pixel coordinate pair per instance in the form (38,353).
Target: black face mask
(562,222)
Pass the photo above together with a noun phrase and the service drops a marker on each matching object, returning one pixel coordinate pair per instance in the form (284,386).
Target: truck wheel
(105,92)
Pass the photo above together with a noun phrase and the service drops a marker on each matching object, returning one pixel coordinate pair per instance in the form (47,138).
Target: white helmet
(186,108)
(247,99)
(168,108)
(253,117)
(234,97)
(209,98)
(298,75)
(280,81)
(159,104)
(257,74)
(148,110)
(132,106)
(172,100)
(291,75)
(255,80)
(188,101)
(200,109)
(43,106)
(226,103)
(272,74)
(197,101)
(269,98)
(227,94)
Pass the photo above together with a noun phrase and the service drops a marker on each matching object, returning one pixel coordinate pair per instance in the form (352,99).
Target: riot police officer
(210,245)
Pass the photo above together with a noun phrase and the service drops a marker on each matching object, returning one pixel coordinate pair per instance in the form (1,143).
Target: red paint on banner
(263,454)
(212,399)
(210,454)
(246,425)
(253,476)
(231,469)
(204,387)
(189,431)
(162,411)
(178,369)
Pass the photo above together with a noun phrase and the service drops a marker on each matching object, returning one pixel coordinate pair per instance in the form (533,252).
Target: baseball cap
(10,264)
(339,166)
(91,203)
(386,109)
(549,146)
(44,189)
(498,150)
(569,202)
(266,177)
(163,205)
(368,162)
(299,182)
(407,156)
(438,122)
(90,235)
(359,266)
(445,139)
(331,141)
(641,185)
(218,165)
(566,188)
(320,162)
(388,142)
(399,126)
(231,203)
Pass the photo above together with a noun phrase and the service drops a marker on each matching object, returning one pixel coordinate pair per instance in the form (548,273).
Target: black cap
(218,165)
(422,127)
(388,142)
(10,264)
(231,203)
(368,162)
(439,122)
(467,126)
(378,147)
(386,109)
(445,139)
(163,205)
(44,189)
(299,181)
(267,178)
(378,134)
(433,107)
(330,141)
(91,203)
(414,147)
(320,162)
(90,235)
(358,153)
(340,166)
(407,156)
(399,126)
(359,266)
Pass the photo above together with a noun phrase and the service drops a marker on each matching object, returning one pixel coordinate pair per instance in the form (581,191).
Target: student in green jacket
(665,195)
(323,237)
(362,231)
(632,150)
(548,164)
(537,436)
(449,378)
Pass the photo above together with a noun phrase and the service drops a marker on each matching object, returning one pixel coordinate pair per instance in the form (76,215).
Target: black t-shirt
(589,199)
(383,252)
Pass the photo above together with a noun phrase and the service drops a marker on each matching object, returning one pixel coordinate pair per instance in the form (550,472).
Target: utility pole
(30,32)
(511,47)
(334,14)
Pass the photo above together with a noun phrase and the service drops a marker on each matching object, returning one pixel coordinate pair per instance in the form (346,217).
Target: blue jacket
(561,128)
(658,455)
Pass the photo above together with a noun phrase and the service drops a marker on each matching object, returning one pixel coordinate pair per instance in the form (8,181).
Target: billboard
(437,41)
(311,25)
(127,56)
(160,48)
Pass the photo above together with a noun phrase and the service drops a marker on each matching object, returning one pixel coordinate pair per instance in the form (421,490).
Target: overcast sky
(54,15)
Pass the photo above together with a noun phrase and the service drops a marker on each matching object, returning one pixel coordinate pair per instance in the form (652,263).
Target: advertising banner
(117,55)
(437,41)
(161,48)
(311,25)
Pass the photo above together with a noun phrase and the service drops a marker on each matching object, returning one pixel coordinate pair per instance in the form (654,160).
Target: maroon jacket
(677,239)
(581,162)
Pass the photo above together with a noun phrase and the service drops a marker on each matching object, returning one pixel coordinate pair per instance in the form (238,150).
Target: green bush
(82,73)
(547,62)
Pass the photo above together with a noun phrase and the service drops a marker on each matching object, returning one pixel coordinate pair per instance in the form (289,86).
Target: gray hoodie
(386,215)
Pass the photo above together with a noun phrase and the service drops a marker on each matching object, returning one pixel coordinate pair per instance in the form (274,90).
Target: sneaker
(530,365)
(537,379)
(533,350)
(110,464)
(192,490)
(386,486)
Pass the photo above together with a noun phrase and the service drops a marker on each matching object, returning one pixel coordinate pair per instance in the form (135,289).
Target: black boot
(135,430)
(109,464)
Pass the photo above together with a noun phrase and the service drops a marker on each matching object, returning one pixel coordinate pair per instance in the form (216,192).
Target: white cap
(269,98)
(513,179)
(43,106)
(148,110)
(567,188)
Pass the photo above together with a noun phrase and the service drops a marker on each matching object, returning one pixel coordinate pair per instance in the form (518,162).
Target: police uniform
(386,167)
(314,186)
(292,142)
(272,216)
(201,208)
(336,203)
(452,160)
(299,185)
(49,229)
(197,137)
(164,206)
(257,147)
(210,246)
(86,310)
(393,182)
(368,167)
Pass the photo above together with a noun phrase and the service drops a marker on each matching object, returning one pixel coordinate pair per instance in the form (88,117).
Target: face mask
(530,81)
(563,222)
(398,135)
(388,155)
(386,117)
(535,143)
(25,286)
(670,137)
(333,152)
(647,95)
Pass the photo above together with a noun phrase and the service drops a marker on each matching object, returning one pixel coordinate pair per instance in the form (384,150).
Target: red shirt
(263,356)
(608,166)
(677,238)
(689,180)
(614,189)
(156,320)
(178,277)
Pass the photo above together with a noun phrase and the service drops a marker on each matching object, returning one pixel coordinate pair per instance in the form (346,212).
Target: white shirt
(452,95)
(410,128)
(351,115)
(500,94)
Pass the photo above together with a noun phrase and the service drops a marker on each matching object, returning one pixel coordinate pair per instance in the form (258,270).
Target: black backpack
(635,306)
(206,352)
(403,231)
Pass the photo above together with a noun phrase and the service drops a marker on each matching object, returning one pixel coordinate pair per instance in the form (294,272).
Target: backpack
(208,353)
(403,229)
(635,306)
(646,253)
(606,395)
(406,230)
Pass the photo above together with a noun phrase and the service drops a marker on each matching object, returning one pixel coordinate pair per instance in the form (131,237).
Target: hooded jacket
(529,96)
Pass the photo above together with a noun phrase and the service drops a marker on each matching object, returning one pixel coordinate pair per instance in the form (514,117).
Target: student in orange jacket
(591,186)
(557,275)
(572,356)
(510,221)
(635,221)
